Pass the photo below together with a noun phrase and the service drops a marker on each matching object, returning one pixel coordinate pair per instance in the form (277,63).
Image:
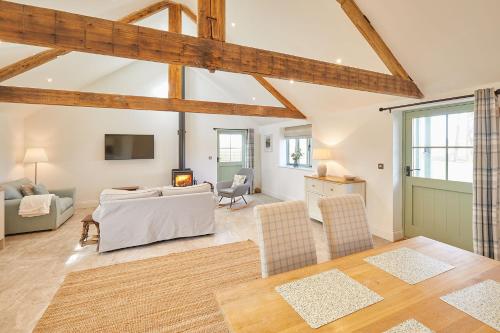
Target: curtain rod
(497,92)
(231,129)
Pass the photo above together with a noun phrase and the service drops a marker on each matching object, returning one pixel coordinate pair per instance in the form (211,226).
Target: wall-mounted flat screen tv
(129,147)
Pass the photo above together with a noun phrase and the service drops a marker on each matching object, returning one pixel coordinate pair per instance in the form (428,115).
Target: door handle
(409,170)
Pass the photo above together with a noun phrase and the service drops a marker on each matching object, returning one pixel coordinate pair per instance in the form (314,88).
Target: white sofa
(138,221)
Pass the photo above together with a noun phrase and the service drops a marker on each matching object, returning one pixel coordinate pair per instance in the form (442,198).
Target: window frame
(308,152)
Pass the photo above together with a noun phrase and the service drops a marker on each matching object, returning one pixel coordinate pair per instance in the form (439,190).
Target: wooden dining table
(257,307)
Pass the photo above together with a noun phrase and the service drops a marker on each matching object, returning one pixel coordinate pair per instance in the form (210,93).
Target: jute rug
(173,293)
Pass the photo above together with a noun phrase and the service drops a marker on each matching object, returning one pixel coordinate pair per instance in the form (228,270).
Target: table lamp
(35,155)
(322,154)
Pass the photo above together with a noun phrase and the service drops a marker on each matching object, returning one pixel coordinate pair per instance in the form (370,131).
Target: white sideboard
(2,219)
(318,187)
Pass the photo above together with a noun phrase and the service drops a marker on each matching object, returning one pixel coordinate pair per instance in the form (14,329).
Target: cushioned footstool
(85,239)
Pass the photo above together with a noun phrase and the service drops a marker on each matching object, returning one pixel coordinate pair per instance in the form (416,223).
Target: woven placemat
(409,265)
(410,326)
(481,301)
(173,293)
(325,297)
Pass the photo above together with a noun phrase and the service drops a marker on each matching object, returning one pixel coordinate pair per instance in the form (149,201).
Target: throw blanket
(35,205)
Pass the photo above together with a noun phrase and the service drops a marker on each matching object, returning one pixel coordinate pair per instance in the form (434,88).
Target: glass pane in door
(460,164)
(461,129)
(429,163)
(429,131)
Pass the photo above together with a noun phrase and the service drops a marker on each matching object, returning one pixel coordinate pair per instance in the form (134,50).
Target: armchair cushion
(238,180)
(229,190)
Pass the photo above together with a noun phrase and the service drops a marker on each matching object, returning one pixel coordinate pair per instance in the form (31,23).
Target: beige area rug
(173,293)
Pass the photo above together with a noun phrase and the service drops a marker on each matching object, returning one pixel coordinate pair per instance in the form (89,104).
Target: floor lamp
(35,155)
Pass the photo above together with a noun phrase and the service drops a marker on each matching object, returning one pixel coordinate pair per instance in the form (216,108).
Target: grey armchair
(225,189)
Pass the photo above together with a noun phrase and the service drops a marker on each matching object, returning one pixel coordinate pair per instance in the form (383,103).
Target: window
(230,147)
(298,146)
(442,146)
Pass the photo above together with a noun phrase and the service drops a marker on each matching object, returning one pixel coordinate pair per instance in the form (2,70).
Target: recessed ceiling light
(49,79)
(339,61)
(292,81)
(233,24)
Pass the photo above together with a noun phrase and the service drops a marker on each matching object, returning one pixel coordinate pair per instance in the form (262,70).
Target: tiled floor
(32,266)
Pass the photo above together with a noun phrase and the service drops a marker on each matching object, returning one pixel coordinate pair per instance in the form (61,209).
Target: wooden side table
(84,238)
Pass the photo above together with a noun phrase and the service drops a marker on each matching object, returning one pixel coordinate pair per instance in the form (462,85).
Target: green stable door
(438,160)
(231,145)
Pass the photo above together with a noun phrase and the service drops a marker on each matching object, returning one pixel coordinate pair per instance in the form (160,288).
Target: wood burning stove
(182,178)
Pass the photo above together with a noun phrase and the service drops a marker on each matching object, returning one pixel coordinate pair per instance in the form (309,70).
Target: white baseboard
(87,204)
(398,235)
(278,196)
(387,235)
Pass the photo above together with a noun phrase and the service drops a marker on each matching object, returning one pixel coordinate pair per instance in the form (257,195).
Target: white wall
(11,146)
(74,141)
(74,137)
(278,181)
(360,140)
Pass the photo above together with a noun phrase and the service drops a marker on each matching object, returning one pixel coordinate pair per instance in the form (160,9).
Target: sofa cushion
(64,204)
(27,189)
(40,189)
(11,192)
(112,195)
(170,190)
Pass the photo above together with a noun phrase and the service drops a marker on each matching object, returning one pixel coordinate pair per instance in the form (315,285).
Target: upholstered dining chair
(285,237)
(345,225)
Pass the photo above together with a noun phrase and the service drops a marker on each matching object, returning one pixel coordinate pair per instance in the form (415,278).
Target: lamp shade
(322,154)
(35,155)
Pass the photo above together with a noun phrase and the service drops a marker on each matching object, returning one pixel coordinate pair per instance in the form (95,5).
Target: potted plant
(296,157)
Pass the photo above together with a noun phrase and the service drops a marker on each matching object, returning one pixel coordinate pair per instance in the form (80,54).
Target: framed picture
(268,143)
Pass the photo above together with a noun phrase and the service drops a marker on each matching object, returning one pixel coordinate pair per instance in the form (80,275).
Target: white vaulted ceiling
(444,45)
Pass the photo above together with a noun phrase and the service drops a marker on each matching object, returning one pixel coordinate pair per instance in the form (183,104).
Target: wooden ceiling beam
(212,19)
(113,101)
(44,57)
(175,77)
(373,38)
(269,87)
(50,28)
